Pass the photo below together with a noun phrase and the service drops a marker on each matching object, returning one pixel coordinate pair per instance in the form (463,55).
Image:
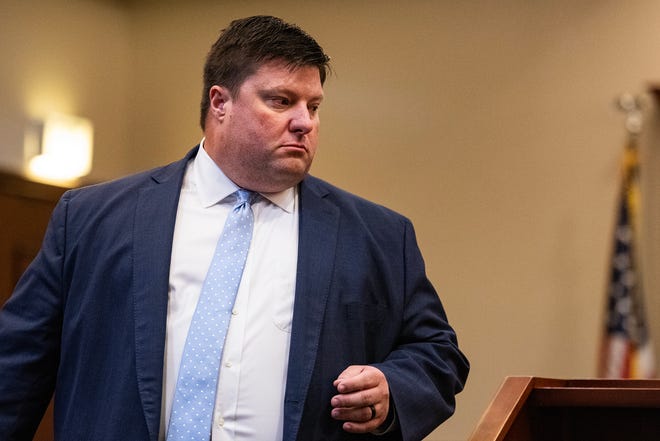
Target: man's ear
(219,100)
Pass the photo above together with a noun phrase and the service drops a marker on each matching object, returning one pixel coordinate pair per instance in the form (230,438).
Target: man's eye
(280,101)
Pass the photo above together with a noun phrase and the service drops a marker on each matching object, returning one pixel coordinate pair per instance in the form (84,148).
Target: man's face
(265,138)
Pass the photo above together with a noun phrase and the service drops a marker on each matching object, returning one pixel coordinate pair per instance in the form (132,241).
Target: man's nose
(302,120)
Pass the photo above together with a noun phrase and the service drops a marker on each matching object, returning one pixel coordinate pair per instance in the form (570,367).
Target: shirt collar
(213,185)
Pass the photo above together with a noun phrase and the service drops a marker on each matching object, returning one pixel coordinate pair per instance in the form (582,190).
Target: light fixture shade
(64,150)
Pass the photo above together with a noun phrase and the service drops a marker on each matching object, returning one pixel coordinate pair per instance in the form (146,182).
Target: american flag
(627,348)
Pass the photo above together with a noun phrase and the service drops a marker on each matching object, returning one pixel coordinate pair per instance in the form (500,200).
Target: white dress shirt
(250,394)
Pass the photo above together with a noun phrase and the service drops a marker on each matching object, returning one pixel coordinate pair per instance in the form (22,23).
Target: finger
(355,378)
(356,390)
(358,399)
(359,420)
(352,427)
(366,424)
(349,372)
(355,414)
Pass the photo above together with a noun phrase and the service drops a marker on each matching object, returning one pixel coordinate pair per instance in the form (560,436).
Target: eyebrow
(287,91)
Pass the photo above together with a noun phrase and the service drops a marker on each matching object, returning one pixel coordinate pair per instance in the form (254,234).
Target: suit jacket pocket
(364,324)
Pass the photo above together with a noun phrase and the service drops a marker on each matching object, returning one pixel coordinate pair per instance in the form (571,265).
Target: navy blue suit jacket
(87,319)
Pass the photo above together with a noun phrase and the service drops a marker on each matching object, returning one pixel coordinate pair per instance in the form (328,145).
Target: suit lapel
(154,221)
(319,222)
(154,226)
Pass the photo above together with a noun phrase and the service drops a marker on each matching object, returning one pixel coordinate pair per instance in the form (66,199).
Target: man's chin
(278,180)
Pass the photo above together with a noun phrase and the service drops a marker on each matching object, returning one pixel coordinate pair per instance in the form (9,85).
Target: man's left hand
(363,401)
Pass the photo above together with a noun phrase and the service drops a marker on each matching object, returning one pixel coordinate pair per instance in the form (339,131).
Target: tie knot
(243,197)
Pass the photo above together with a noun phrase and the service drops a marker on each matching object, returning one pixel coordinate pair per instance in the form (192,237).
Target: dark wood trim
(14,185)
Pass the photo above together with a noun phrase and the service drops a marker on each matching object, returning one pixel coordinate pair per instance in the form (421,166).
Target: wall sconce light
(58,149)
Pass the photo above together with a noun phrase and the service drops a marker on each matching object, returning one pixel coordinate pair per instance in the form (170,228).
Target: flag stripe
(626,348)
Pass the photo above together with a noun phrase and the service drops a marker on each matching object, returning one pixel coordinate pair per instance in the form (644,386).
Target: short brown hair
(250,42)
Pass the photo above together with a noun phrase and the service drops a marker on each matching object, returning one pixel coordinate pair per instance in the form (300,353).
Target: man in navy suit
(336,332)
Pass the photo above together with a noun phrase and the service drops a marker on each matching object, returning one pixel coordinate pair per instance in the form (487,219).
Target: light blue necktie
(194,398)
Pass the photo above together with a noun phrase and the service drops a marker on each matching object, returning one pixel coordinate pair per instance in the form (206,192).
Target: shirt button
(221,422)
(228,364)
(234,312)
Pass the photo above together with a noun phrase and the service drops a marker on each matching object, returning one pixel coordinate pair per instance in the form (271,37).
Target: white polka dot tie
(194,398)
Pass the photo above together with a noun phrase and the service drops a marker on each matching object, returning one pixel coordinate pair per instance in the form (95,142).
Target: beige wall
(490,124)
(69,57)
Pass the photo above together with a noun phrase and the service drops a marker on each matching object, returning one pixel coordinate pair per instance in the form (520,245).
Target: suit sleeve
(30,328)
(426,369)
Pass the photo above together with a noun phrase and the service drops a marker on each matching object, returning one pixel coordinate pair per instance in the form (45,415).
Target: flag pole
(626,349)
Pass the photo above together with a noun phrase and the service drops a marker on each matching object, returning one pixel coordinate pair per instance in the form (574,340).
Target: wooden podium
(544,409)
